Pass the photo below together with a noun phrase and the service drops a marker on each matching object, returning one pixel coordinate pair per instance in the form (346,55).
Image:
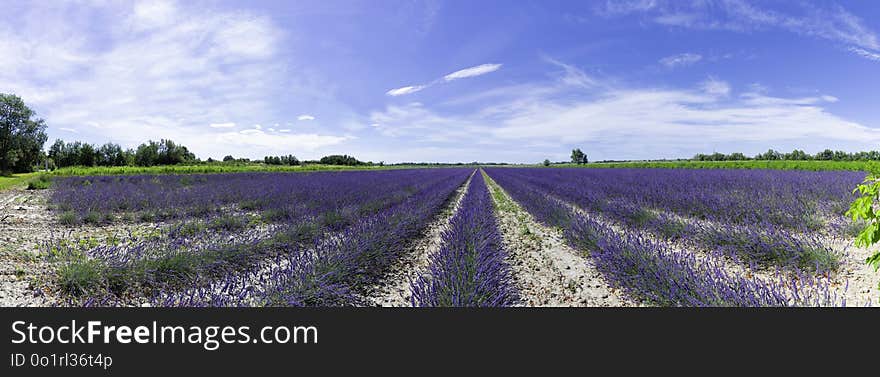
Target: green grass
(211,169)
(40,182)
(15,180)
(865,166)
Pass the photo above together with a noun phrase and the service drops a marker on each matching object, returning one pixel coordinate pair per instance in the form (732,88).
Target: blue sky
(447,81)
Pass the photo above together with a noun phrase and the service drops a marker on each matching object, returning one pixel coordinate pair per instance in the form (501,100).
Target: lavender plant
(651,271)
(753,233)
(470,268)
(201,247)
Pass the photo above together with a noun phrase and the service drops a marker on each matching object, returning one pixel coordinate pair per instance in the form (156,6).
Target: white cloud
(472,72)
(405,90)
(623,123)
(153,14)
(158,69)
(832,22)
(222,125)
(681,60)
(305,117)
(68,130)
(460,74)
(572,75)
(258,127)
(715,87)
(865,54)
(259,139)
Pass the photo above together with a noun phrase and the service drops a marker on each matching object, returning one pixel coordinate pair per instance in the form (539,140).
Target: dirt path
(25,221)
(547,271)
(395,290)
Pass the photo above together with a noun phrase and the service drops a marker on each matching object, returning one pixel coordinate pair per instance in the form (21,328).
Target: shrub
(41,182)
(68,218)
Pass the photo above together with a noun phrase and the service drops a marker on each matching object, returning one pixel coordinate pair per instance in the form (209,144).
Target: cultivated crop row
(330,232)
(764,217)
(651,270)
(470,268)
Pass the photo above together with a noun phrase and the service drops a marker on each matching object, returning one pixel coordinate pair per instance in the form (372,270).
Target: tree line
(22,136)
(799,155)
(164,152)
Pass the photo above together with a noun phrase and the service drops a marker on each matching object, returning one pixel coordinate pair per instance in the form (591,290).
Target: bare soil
(395,290)
(547,271)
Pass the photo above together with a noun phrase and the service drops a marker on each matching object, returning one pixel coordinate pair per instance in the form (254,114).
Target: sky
(450,81)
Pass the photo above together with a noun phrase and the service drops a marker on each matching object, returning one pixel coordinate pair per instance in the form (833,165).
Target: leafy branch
(863,208)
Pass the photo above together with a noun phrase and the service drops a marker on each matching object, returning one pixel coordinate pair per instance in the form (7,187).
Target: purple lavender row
(789,199)
(765,244)
(180,257)
(470,268)
(650,271)
(279,196)
(335,271)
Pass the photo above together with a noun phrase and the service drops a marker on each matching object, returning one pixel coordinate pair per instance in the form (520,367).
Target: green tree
(340,160)
(21,135)
(578,156)
(147,154)
(825,155)
(546,162)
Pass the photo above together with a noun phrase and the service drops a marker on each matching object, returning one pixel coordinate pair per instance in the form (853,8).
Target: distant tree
(111,154)
(825,155)
(770,155)
(228,158)
(147,154)
(578,156)
(88,156)
(165,152)
(171,153)
(340,160)
(736,156)
(546,162)
(21,135)
(210,160)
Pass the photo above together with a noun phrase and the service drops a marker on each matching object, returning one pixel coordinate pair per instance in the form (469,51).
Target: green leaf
(874,261)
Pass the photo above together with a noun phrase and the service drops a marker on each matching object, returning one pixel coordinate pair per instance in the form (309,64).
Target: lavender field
(447,237)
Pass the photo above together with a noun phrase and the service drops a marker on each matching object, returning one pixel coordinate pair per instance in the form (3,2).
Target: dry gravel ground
(395,290)
(546,270)
(25,221)
(857,278)
(26,274)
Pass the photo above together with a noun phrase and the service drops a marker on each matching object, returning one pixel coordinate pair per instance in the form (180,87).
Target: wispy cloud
(472,72)
(457,75)
(65,129)
(305,117)
(615,122)
(222,125)
(405,90)
(278,143)
(832,23)
(865,54)
(681,60)
(572,75)
(715,87)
